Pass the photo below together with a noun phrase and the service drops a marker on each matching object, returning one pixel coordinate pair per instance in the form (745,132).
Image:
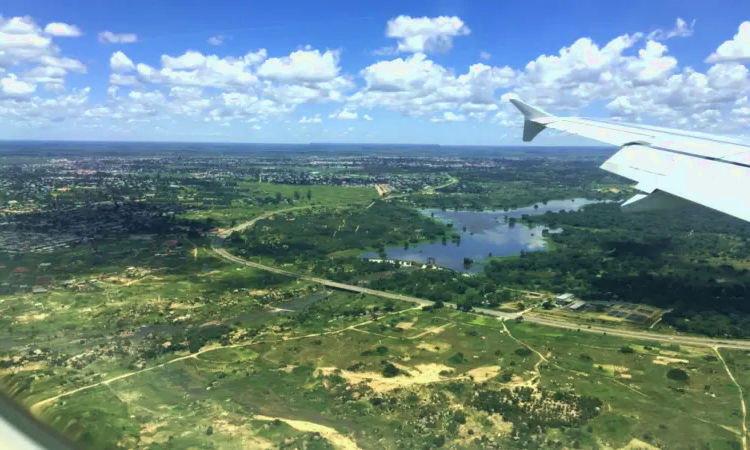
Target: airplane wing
(671,167)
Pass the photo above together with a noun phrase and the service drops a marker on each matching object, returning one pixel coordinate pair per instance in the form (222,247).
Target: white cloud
(108,37)
(735,50)
(60,29)
(216,40)
(367,117)
(302,66)
(119,62)
(485,56)
(13,87)
(344,115)
(449,116)
(314,119)
(681,29)
(195,69)
(121,79)
(425,34)
(257,127)
(416,86)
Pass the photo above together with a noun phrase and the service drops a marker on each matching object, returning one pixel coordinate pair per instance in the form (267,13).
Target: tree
(296,195)
(626,349)
(278,197)
(209,430)
(390,371)
(677,375)
(309,194)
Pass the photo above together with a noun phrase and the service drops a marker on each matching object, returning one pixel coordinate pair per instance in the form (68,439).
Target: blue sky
(440,76)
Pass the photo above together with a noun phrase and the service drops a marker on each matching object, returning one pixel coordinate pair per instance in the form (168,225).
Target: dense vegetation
(312,235)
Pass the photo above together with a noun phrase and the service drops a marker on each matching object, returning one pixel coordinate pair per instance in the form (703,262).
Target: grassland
(318,377)
(241,210)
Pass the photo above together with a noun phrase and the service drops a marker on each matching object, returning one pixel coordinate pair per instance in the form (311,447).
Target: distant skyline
(388,72)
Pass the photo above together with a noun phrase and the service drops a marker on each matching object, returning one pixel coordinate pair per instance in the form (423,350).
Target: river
(486,233)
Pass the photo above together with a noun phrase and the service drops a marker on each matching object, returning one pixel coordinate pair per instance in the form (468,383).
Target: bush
(626,349)
(390,371)
(459,417)
(210,430)
(458,358)
(677,375)
(523,352)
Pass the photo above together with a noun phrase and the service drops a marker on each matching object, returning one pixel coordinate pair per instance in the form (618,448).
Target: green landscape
(194,310)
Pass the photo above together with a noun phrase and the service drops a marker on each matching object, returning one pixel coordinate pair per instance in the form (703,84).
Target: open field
(324,379)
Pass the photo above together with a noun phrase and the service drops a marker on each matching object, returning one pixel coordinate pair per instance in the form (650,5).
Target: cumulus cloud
(13,87)
(485,55)
(108,37)
(60,29)
(425,34)
(344,115)
(119,62)
(367,117)
(734,50)
(302,66)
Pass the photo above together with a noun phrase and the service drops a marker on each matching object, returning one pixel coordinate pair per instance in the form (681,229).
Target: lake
(490,235)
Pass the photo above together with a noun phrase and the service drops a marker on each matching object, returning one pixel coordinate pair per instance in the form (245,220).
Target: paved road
(216,245)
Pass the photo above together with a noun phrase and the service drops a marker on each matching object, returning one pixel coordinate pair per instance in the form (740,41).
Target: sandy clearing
(435,347)
(420,374)
(481,374)
(614,190)
(663,360)
(247,439)
(502,427)
(626,375)
(184,306)
(28,367)
(336,439)
(432,330)
(613,368)
(637,444)
(405,325)
(31,318)
(213,322)
(287,368)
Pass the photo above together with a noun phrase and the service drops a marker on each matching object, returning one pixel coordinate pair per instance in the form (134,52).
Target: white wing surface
(671,167)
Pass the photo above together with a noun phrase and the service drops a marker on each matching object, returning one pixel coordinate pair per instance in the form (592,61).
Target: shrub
(390,371)
(677,375)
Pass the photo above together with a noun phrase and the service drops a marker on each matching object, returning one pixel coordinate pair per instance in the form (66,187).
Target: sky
(426,72)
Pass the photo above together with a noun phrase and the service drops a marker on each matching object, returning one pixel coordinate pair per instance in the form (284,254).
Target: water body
(490,235)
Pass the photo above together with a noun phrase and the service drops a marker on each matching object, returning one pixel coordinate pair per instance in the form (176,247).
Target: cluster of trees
(315,234)
(690,261)
(533,411)
(521,182)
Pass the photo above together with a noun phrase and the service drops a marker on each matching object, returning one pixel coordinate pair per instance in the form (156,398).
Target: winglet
(530,127)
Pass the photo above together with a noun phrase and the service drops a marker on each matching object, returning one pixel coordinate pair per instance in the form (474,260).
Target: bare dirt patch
(405,325)
(432,330)
(28,367)
(481,374)
(241,433)
(184,306)
(663,360)
(637,444)
(336,439)
(31,318)
(613,368)
(436,347)
(420,374)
